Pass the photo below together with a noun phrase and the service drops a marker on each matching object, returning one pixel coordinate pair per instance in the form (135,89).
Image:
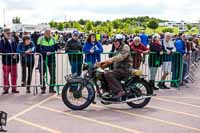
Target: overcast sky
(38,11)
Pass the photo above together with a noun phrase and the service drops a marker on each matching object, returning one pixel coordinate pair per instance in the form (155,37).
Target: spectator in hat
(9,61)
(73,46)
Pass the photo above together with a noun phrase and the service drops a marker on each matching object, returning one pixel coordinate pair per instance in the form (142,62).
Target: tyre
(78,96)
(139,88)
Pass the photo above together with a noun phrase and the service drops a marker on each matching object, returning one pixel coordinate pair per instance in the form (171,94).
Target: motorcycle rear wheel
(146,87)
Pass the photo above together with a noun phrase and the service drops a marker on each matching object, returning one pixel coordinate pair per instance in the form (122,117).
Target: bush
(171,30)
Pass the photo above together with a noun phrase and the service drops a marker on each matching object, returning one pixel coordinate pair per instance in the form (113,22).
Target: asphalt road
(172,111)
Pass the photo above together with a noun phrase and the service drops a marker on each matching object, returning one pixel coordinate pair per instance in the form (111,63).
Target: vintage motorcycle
(78,93)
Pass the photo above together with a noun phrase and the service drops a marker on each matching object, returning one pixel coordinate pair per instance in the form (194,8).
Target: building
(29,28)
(181,25)
(69,30)
(173,24)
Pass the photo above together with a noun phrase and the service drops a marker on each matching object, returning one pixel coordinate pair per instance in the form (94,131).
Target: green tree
(116,24)
(129,25)
(171,30)
(189,26)
(152,24)
(60,26)
(16,20)
(52,24)
(77,26)
(67,25)
(97,23)
(88,26)
(128,29)
(82,22)
(137,30)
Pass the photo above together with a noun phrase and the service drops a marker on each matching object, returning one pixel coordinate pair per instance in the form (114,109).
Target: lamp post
(4,17)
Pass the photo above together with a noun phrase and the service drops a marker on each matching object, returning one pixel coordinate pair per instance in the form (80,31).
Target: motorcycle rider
(122,66)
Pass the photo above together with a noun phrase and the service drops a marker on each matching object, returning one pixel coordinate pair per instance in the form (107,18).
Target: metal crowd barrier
(148,63)
(18,68)
(193,63)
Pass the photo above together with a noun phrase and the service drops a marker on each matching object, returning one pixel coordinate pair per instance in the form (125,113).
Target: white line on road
(36,125)
(30,108)
(91,120)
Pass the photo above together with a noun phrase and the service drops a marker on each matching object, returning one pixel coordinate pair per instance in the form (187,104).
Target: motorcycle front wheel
(78,96)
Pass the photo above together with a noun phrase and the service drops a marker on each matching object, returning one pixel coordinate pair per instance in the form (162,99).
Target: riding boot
(152,84)
(164,86)
(161,85)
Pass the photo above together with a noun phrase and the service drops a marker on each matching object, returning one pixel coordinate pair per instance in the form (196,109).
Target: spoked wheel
(78,96)
(140,88)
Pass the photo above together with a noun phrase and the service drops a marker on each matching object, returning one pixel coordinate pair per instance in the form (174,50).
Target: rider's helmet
(118,37)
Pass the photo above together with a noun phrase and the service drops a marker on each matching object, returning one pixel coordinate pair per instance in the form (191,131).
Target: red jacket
(137,57)
(138,49)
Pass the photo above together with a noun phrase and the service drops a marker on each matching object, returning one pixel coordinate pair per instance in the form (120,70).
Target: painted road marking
(177,97)
(30,108)
(165,109)
(182,103)
(91,120)
(174,111)
(151,118)
(36,125)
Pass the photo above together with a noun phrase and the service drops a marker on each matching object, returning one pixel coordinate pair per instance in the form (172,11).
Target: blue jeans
(76,67)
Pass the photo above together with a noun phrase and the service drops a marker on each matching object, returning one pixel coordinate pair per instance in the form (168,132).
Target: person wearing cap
(122,65)
(26,48)
(8,45)
(47,47)
(73,46)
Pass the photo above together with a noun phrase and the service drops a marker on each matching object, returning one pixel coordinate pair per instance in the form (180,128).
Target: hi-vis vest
(98,37)
(56,37)
(42,41)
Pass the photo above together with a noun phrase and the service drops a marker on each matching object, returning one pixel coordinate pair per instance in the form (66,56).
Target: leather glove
(137,72)
(104,64)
